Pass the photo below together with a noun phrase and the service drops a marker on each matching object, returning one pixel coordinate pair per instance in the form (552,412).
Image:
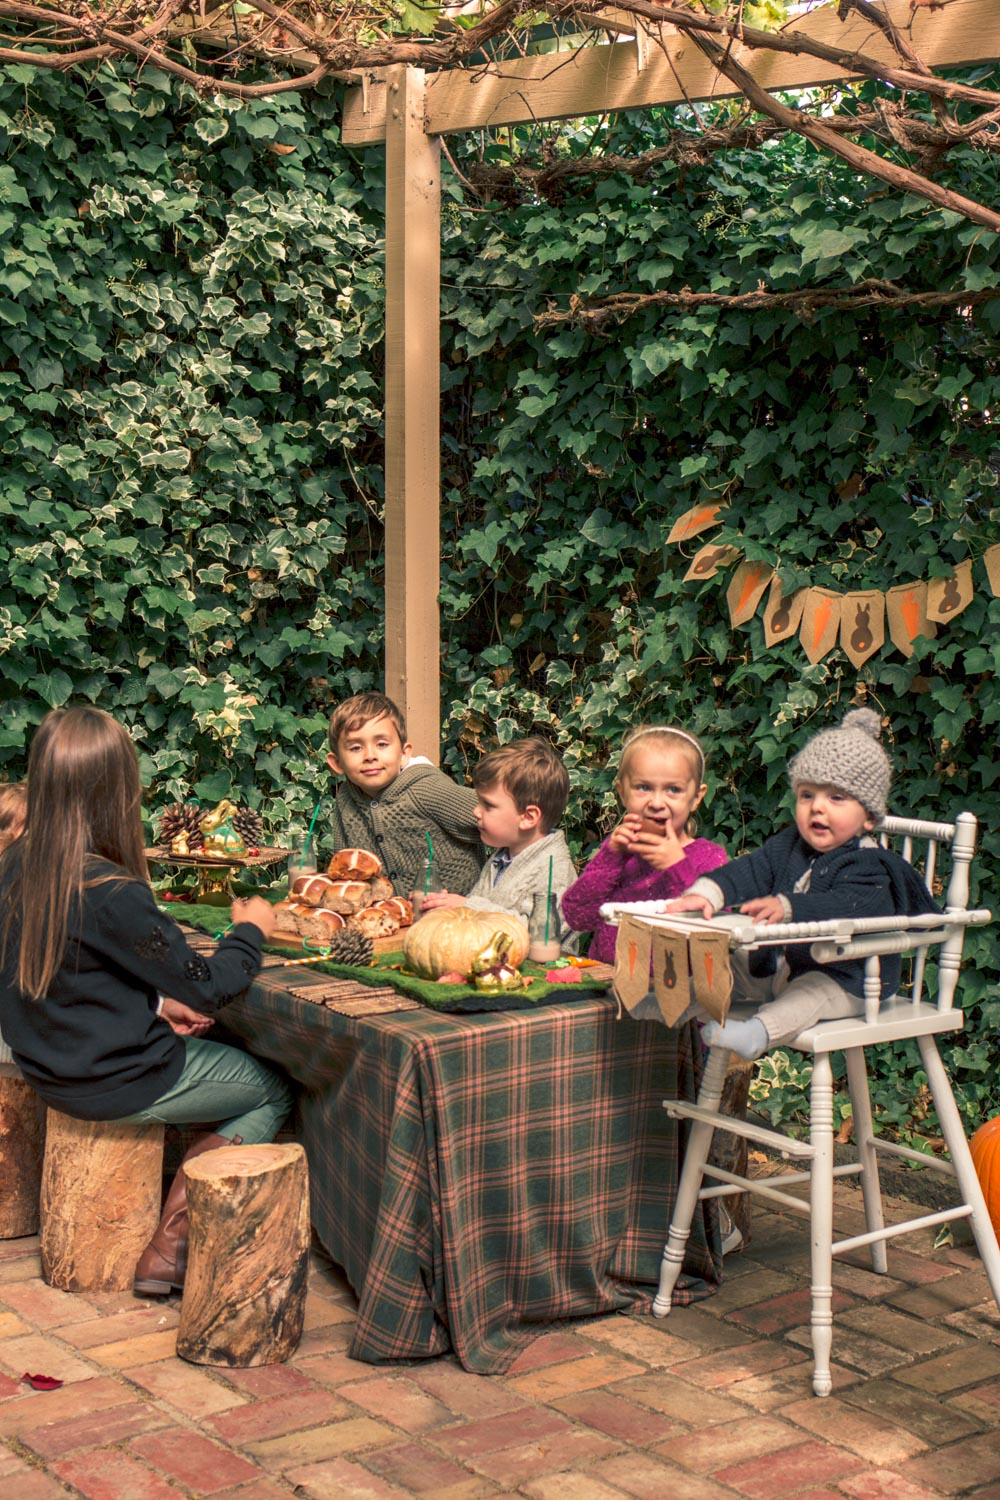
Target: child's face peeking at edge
(659,785)
(371,756)
(828,818)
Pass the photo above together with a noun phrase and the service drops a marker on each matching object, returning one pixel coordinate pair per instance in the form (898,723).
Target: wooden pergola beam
(412,410)
(596,80)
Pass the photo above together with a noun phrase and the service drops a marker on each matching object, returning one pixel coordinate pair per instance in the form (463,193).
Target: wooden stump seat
(248,1256)
(101,1195)
(22,1144)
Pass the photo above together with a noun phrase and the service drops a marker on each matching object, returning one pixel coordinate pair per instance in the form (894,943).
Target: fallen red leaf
(41,1382)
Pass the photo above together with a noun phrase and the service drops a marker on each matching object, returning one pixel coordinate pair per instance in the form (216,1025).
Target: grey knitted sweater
(527,874)
(421,800)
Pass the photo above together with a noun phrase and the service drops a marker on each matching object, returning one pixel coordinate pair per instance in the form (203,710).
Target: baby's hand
(623,837)
(436,900)
(765,909)
(661,850)
(691,902)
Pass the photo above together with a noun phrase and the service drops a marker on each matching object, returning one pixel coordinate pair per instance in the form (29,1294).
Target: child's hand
(765,909)
(436,900)
(623,837)
(691,902)
(256,910)
(661,850)
(182,1019)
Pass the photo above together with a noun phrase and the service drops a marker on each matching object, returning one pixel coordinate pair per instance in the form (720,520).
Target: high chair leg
(864,1139)
(821,1220)
(699,1144)
(961,1159)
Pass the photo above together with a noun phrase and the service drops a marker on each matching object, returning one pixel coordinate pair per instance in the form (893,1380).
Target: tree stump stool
(22,1146)
(101,1197)
(248,1256)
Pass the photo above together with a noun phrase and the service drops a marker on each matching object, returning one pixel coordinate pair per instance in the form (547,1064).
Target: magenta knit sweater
(611,876)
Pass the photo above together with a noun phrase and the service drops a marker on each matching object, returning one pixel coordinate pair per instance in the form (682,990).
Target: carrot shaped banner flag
(820,623)
(746,590)
(631,976)
(711,972)
(906,613)
(698,518)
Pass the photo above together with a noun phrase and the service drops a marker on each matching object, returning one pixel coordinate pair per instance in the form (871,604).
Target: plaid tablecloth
(478,1177)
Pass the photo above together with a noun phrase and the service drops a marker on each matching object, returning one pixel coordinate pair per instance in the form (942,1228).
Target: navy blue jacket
(853,881)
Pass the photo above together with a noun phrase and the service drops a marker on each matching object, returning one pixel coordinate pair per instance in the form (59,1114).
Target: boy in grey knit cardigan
(522,793)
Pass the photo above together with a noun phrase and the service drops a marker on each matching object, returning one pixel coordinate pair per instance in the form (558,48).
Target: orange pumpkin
(450,939)
(985,1148)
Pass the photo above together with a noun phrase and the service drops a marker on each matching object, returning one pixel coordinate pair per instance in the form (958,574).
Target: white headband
(681,734)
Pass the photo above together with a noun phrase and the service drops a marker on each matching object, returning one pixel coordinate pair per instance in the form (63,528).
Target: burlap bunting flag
(820,623)
(906,613)
(708,560)
(781,615)
(947,597)
(685,965)
(746,590)
(862,625)
(698,518)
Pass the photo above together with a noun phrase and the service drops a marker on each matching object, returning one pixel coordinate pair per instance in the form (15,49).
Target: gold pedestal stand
(215,875)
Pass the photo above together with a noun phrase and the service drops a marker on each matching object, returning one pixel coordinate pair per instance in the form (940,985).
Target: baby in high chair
(826,864)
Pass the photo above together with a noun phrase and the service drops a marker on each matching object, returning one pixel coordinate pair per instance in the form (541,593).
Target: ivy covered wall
(191,304)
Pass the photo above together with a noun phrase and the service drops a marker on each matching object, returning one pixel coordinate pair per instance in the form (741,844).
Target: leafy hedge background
(191,492)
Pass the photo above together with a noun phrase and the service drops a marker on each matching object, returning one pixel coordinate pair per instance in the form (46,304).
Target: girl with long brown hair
(86,958)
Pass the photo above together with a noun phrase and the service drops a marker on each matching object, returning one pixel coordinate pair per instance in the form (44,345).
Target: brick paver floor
(714,1402)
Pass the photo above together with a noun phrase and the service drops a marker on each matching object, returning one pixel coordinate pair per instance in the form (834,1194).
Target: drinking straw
(312,821)
(548,900)
(430,857)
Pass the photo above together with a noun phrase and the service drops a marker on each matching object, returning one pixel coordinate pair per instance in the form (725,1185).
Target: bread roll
(380,889)
(288,912)
(318,923)
(347,896)
(354,864)
(374,921)
(313,889)
(398,907)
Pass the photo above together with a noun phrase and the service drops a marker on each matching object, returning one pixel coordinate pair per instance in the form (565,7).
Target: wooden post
(101,1192)
(22,1143)
(248,1256)
(412,410)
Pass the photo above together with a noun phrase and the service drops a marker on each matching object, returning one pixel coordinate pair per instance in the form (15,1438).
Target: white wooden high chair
(900,1017)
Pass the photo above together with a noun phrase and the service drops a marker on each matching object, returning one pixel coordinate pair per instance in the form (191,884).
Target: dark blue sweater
(852,881)
(94,1046)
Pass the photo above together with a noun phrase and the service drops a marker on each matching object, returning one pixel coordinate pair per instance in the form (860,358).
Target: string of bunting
(857,621)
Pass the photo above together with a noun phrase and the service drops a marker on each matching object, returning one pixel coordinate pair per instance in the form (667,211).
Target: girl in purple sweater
(653,854)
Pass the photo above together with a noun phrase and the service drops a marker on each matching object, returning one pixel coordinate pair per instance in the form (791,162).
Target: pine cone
(351,948)
(249,826)
(182,817)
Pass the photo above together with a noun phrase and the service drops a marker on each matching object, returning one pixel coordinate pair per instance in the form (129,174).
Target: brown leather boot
(161,1266)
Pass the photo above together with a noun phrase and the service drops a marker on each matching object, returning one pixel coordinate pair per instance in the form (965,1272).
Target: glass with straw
(302,851)
(545,926)
(427,881)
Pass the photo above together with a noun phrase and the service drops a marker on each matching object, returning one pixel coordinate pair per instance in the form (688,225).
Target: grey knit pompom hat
(849,758)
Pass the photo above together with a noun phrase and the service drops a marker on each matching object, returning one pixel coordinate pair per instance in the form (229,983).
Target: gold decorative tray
(215,871)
